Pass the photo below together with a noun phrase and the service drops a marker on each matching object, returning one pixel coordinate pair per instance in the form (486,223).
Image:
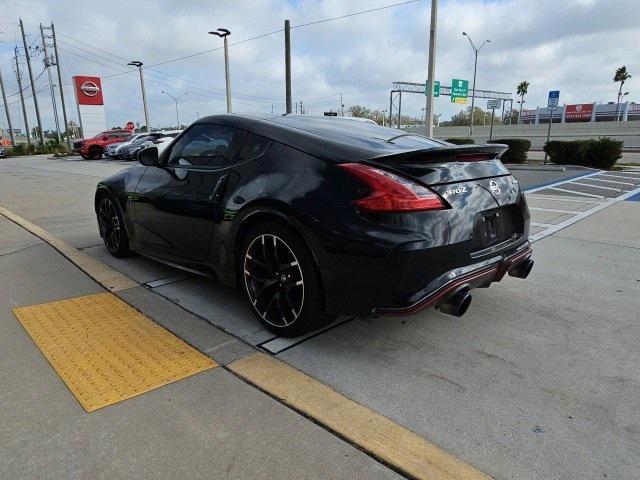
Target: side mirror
(148,156)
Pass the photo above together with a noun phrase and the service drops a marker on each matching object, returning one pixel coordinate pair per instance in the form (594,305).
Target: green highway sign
(436,88)
(459,90)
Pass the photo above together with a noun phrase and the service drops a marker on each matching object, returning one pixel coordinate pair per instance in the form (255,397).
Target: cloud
(574,46)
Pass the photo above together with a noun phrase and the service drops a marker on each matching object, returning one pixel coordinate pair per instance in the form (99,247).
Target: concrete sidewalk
(210,425)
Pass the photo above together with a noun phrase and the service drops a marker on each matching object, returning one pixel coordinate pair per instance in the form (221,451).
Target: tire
(95,153)
(112,228)
(280,280)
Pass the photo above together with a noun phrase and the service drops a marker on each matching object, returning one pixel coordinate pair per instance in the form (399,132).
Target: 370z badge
(494,187)
(455,191)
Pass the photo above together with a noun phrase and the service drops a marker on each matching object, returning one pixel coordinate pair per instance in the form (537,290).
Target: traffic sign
(436,88)
(493,103)
(330,114)
(459,89)
(554,98)
(458,100)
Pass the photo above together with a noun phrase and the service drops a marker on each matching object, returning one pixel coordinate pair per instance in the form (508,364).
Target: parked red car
(92,148)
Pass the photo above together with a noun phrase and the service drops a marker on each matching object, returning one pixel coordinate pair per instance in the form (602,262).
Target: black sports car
(317,216)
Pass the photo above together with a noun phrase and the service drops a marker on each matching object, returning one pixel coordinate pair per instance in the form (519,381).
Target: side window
(204,146)
(253,146)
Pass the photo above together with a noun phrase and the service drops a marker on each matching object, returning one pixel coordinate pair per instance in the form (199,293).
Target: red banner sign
(580,111)
(88,90)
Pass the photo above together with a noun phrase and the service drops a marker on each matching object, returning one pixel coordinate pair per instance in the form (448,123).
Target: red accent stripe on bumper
(497,271)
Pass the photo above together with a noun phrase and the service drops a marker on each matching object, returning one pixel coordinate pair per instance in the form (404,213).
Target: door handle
(218,190)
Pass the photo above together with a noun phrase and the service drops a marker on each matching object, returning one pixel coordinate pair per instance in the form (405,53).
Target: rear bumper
(473,276)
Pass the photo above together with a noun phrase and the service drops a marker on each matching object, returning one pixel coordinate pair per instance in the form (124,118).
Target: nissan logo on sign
(89,88)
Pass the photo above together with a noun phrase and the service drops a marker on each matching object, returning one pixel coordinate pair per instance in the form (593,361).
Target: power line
(354,14)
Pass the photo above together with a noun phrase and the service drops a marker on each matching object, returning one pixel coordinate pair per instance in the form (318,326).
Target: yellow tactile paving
(105,350)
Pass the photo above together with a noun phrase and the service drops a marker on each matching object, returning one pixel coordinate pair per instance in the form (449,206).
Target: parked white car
(163,142)
(111,151)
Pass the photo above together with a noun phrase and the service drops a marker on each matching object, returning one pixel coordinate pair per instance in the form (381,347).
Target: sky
(572,45)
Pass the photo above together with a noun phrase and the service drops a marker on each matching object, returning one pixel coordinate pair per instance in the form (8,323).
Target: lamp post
(175,99)
(475,68)
(431,72)
(136,63)
(224,33)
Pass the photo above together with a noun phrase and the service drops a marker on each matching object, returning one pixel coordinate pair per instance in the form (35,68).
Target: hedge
(601,153)
(517,152)
(460,141)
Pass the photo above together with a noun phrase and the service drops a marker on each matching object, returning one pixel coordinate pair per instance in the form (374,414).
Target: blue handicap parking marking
(634,198)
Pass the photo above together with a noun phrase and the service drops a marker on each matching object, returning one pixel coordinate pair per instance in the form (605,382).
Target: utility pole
(47,64)
(136,63)
(6,110)
(301,109)
(287,63)
(33,87)
(224,33)
(64,109)
(24,109)
(475,67)
(431,71)
(341,106)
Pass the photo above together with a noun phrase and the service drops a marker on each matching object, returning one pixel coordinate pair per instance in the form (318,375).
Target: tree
(462,118)
(621,76)
(522,90)
(359,111)
(376,115)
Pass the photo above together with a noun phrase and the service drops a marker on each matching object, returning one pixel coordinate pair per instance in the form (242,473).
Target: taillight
(390,192)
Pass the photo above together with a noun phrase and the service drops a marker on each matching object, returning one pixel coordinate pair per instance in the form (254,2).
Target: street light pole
(475,68)
(176,102)
(136,63)
(224,33)
(431,71)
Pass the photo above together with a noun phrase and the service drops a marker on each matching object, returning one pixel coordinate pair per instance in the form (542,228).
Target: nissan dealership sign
(89,88)
(90,101)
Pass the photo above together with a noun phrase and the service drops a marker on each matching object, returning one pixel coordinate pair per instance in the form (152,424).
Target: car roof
(330,138)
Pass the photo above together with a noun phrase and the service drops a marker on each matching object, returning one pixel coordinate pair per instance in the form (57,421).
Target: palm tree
(522,90)
(621,76)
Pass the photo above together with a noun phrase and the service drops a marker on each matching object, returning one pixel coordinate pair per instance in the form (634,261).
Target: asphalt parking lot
(539,379)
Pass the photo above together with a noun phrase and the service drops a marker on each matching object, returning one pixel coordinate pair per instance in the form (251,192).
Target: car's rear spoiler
(444,154)
(446,164)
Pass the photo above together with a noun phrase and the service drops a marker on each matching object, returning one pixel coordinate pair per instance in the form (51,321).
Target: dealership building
(584,112)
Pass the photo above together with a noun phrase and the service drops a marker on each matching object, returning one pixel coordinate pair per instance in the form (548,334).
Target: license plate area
(494,226)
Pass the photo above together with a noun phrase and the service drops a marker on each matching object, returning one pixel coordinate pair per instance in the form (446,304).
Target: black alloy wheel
(281,281)
(95,153)
(112,229)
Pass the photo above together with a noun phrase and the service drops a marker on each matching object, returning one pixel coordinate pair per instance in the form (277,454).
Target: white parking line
(616,176)
(559,198)
(595,179)
(597,186)
(587,213)
(587,175)
(554,210)
(543,225)
(575,192)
